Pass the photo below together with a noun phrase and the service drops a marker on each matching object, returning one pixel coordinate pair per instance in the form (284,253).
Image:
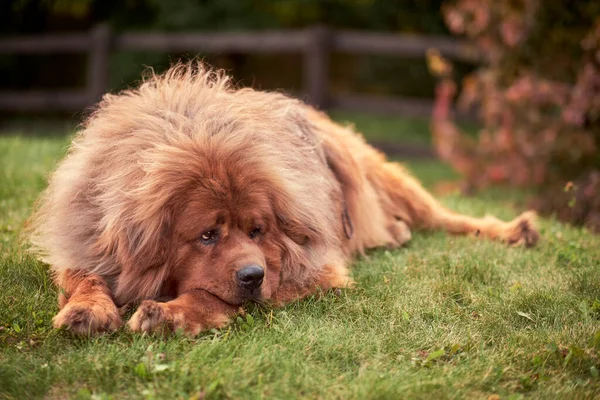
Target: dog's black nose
(251,276)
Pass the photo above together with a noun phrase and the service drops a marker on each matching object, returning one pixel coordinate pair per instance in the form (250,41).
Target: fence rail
(315,44)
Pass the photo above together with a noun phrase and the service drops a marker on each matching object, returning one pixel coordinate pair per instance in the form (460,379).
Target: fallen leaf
(525,315)
(435,355)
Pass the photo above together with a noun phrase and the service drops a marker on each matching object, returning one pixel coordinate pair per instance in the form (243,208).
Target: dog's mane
(110,204)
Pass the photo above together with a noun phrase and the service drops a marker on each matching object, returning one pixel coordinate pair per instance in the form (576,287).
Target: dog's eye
(209,237)
(254,232)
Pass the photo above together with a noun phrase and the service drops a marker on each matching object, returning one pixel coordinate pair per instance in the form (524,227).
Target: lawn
(446,317)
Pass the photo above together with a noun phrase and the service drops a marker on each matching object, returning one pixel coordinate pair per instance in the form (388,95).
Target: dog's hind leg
(86,304)
(400,232)
(378,194)
(403,197)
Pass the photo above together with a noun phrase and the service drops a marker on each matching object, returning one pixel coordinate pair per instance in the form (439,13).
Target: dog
(190,197)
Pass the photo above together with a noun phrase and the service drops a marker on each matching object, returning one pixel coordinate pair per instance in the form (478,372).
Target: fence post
(316,66)
(98,62)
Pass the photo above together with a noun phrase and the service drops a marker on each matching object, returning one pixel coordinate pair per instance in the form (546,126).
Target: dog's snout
(251,276)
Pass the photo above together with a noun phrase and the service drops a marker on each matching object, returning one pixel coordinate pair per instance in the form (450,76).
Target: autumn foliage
(537,93)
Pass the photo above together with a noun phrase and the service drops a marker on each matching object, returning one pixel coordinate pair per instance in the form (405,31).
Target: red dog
(188,189)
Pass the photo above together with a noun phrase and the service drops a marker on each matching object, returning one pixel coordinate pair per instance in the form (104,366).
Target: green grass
(446,317)
(386,128)
(413,131)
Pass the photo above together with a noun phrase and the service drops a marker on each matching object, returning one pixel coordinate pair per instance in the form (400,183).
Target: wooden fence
(315,44)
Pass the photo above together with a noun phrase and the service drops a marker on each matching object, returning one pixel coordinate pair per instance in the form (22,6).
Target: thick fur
(284,186)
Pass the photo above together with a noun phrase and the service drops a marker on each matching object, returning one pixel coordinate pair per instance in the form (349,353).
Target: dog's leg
(86,304)
(332,276)
(400,232)
(404,197)
(193,312)
(520,231)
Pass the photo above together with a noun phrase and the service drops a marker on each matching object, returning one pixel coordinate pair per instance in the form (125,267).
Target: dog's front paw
(164,318)
(523,231)
(88,317)
(150,317)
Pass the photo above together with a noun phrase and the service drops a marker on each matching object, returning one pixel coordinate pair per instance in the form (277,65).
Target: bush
(538,96)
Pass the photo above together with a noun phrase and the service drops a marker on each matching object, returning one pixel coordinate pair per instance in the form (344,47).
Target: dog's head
(235,230)
(227,239)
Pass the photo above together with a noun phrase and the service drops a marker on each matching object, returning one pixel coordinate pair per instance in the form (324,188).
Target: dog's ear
(290,221)
(143,251)
(147,245)
(293,229)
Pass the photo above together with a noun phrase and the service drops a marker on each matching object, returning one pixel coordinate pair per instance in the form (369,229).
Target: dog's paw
(400,232)
(523,231)
(165,318)
(88,317)
(151,317)
(335,276)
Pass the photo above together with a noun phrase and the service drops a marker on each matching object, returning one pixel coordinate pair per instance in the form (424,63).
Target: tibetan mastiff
(189,198)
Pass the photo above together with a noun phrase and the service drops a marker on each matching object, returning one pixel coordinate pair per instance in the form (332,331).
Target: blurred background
(264,68)
(506,93)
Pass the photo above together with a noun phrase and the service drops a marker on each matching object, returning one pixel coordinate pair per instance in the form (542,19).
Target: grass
(381,129)
(388,129)
(446,317)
